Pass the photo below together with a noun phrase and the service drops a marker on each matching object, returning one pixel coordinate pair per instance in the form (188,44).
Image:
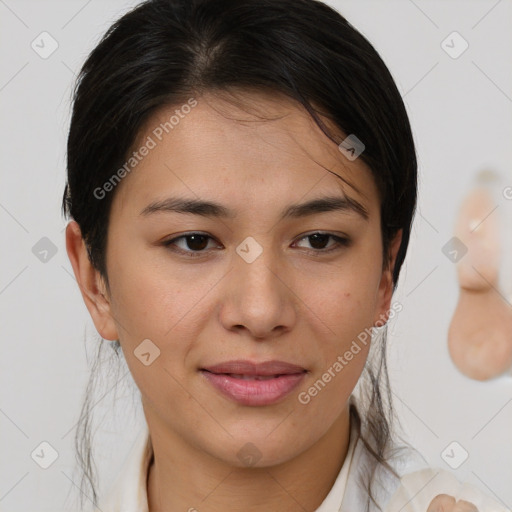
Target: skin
(479,337)
(289,304)
(445,503)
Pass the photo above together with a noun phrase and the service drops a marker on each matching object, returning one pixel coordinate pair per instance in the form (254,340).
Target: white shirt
(413,492)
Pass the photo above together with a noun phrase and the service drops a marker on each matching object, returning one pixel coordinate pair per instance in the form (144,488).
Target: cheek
(346,306)
(345,350)
(346,303)
(329,389)
(346,300)
(152,300)
(152,305)
(166,306)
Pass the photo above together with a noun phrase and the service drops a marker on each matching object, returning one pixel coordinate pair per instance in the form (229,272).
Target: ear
(385,291)
(92,285)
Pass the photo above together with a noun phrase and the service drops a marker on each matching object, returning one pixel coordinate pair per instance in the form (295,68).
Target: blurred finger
(464,506)
(442,503)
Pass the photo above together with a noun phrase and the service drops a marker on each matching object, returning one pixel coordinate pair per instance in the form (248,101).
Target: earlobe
(385,292)
(90,282)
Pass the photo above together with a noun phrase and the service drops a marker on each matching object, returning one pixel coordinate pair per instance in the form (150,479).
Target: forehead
(238,147)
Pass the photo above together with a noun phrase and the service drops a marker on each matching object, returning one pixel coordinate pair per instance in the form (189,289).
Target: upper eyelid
(309,233)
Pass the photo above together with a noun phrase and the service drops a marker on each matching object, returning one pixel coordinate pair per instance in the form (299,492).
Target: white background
(460,110)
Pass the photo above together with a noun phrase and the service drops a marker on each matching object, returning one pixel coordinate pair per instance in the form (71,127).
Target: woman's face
(253,285)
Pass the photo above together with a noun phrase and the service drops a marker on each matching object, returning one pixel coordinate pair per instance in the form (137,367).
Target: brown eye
(319,242)
(196,242)
(193,244)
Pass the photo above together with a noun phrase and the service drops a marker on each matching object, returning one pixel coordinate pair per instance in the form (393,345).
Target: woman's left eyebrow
(213,209)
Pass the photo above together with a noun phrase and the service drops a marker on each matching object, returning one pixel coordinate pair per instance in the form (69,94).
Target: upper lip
(245,367)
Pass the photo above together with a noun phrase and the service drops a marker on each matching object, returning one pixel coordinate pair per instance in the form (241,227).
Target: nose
(257,299)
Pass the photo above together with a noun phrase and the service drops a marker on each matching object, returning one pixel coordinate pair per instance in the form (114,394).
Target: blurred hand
(445,503)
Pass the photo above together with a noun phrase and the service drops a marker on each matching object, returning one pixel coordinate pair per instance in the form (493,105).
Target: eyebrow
(216,210)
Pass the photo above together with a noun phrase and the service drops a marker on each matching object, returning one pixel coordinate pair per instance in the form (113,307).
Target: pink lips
(254,384)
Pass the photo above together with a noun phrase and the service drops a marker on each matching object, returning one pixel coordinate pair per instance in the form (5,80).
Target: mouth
(241,368)
(254,384)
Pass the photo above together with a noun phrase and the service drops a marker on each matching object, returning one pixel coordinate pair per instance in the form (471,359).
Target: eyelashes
(197,243)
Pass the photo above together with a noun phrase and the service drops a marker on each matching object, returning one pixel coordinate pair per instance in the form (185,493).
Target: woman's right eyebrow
(212,209)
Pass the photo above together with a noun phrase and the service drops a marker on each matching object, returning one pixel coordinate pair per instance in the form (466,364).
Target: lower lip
(254,392)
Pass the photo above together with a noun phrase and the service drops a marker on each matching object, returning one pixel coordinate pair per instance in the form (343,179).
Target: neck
(183,479)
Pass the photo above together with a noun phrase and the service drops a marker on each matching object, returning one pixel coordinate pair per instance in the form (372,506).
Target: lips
(250,369)
(254,384)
